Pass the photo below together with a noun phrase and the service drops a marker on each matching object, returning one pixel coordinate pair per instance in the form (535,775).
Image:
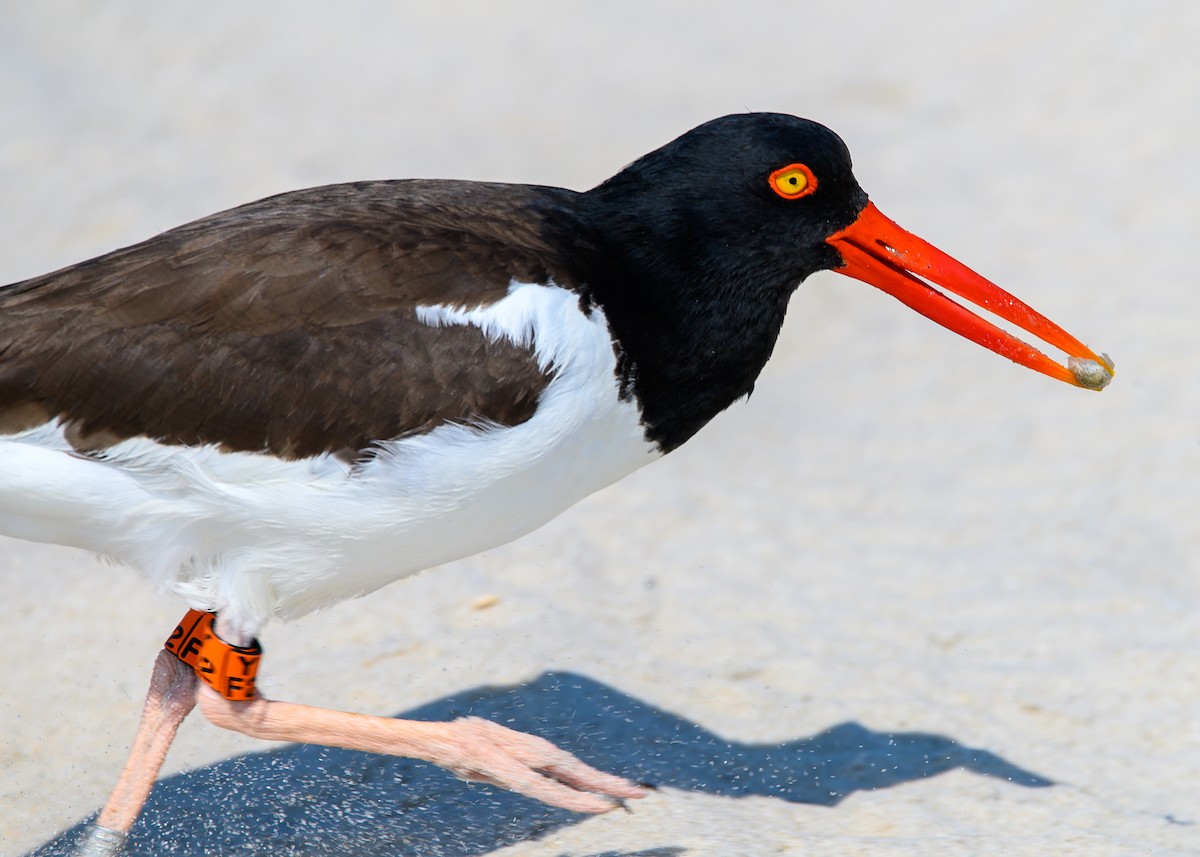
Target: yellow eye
(793,181)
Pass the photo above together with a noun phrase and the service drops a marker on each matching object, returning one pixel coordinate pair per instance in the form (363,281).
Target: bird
(306,398)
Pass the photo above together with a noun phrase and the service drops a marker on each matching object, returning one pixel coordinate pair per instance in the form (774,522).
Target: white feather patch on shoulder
(551,311)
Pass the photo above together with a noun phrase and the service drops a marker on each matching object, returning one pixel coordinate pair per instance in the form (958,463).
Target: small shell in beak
(1093,374)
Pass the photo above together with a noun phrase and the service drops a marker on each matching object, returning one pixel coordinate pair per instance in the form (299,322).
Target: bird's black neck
(694,318)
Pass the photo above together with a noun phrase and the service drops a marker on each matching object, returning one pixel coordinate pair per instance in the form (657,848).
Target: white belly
(255,537)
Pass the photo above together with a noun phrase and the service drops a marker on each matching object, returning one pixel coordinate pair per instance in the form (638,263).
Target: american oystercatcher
(306,398)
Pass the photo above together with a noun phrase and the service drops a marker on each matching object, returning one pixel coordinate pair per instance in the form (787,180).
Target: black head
(701,243)
(706,204)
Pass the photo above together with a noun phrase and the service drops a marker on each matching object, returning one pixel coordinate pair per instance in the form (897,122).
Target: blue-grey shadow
(309,800)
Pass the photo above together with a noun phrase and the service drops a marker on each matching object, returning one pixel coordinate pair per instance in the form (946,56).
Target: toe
(534,767)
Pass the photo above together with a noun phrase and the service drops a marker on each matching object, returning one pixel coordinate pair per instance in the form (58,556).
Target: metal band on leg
(229,670)
(100,842)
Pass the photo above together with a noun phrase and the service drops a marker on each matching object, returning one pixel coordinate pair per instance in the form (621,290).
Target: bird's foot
(483,751)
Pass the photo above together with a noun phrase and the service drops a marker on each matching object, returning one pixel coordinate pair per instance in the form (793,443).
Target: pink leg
(171,696)
(470,747)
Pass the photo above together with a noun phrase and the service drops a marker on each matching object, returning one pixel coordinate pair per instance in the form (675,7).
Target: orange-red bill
(877,251)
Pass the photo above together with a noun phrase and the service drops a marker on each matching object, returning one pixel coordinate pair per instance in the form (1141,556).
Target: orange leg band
(229,670)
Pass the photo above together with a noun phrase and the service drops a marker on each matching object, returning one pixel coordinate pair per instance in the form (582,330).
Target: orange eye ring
(793,181)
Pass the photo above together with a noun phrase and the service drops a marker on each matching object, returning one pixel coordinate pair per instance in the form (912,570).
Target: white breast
(254,537)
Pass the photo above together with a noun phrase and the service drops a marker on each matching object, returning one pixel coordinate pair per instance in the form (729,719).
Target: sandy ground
(909,600)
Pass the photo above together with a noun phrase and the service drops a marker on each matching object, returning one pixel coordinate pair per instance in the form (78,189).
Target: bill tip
(1092,374)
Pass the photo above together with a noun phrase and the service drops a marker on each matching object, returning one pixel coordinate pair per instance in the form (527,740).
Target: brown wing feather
(287,325)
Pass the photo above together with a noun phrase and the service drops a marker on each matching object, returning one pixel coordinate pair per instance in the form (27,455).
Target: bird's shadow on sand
(308,800)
